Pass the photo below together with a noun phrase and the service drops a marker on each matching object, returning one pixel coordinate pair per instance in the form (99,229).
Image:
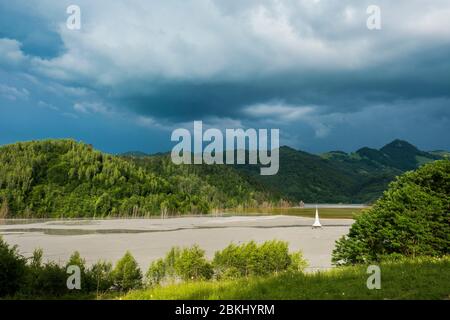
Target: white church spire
(317,223)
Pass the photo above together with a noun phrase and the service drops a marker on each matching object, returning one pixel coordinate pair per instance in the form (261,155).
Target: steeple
(316,223)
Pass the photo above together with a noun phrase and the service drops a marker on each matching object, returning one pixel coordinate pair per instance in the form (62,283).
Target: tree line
(33,278)
(65,178)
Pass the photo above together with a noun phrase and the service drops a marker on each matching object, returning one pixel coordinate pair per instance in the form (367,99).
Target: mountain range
(66,178)
(335,176)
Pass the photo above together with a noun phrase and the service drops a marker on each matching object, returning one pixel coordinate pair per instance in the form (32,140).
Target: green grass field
(420,278)
(326,213)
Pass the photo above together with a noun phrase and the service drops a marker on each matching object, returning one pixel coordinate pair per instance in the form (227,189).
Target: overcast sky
(137,69)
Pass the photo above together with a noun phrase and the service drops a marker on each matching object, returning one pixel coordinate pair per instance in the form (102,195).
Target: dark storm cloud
(37,36)
(413,78)
(309,67)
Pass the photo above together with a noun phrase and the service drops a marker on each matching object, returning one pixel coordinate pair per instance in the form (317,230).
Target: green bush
(22,279)
(191,264)
(51,281)
(156,272)
(251,259)
(298,263)
(127,274)
(163,268)
(76,260)
(90,278)
(28,279)
(44,280)
(171,257)
(34,268)
(410,219)
(12,269)
(100,277)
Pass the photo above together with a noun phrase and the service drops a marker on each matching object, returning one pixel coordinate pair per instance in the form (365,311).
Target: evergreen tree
(12,269)
(127,274)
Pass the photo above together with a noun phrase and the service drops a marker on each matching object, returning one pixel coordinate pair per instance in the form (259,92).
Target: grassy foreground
(420,278)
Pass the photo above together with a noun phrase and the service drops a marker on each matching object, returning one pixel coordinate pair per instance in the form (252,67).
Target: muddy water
(149,239)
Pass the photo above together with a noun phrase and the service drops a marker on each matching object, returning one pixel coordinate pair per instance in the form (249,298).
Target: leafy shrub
(100,277)
(273,257)
(76,260)
(51,280)
(156,272)
(44,279)
(34,268)
(33,278)
(251,259)
(298,263)
(171,257)
(410,219)
(191,264)
(127,274)
(235,261)
(163,269)
(92,279)
(12,269)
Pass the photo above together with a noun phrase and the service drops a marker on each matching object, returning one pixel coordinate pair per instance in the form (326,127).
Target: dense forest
(334,177)
(65,178)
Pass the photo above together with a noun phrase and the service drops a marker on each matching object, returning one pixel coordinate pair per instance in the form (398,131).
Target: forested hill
(337,176)
(64,178)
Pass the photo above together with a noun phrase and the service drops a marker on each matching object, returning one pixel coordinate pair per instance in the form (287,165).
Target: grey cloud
(173,62)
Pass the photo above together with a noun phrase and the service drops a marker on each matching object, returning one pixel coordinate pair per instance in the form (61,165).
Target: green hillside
(359,177)
(225,185)
(304,176)
(64,178)
(405,156)
(336,176)
(441,153)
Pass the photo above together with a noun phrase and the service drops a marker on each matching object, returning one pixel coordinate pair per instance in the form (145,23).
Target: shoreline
(329,211)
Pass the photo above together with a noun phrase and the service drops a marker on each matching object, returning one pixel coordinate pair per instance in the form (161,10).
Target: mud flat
(149,239)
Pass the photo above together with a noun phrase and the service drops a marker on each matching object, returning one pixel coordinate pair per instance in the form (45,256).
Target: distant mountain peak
(399,144)
(405,156)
